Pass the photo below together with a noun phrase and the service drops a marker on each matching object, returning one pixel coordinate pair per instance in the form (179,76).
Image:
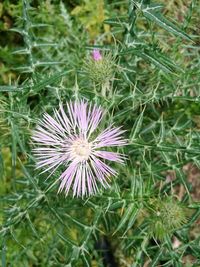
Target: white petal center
(80,149)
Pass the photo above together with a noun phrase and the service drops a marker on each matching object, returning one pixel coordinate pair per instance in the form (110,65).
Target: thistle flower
(168,216)
(99,67)
(68,140)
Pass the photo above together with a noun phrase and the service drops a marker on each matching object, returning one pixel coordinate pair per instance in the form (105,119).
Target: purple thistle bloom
(96,55)
(67,140)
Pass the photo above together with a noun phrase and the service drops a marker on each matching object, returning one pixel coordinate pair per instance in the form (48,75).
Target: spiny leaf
(157,257)
(125,217)
(9,88)
(152,14)
(47,81)
(137,125)
(195,205)
(37,86)
(117,22)
(156,58)
(132,218)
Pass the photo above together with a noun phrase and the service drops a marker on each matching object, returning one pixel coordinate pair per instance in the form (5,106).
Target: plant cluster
(127,198)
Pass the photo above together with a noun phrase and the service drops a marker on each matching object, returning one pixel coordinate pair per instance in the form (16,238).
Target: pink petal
(96,55)
(112,156)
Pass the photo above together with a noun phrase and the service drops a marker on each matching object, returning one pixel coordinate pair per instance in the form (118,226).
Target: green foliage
(91,14)
(151,68)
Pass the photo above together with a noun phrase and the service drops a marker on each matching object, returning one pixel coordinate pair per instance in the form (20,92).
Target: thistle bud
(100,67)
(166,216)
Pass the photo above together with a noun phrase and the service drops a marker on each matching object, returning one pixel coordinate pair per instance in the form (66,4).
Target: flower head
(69,140)
(100,67)
(167,215)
